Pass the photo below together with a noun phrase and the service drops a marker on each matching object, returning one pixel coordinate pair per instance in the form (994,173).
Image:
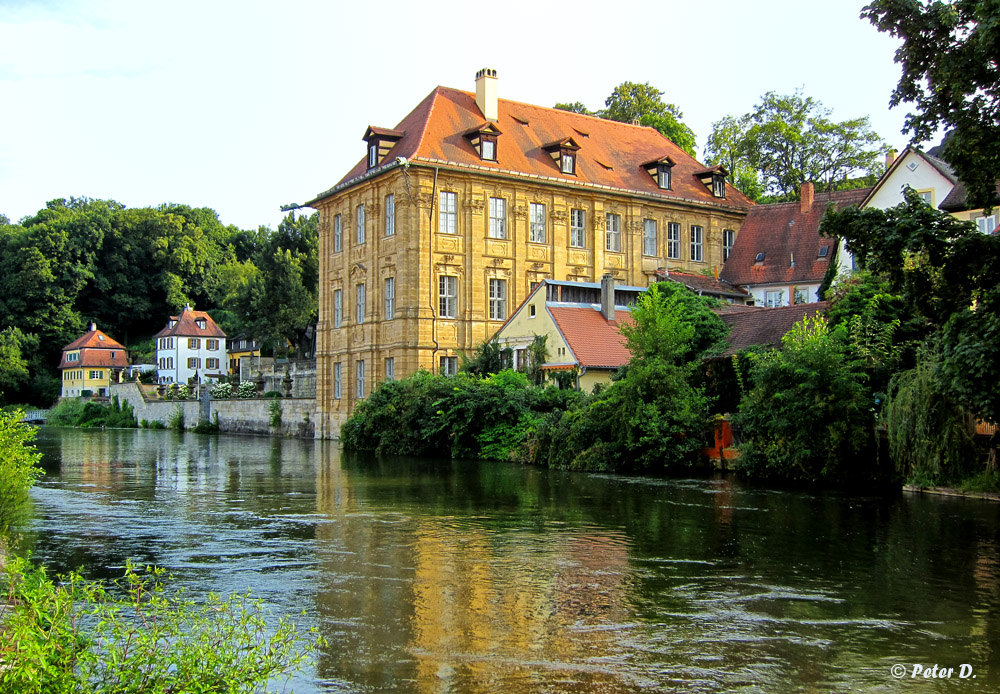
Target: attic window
(660,171)
(581,133)
(606,166)
(380,142)
(563,153)
(824,251)
(719,185)
(200,322)
(484,140)
(714,178)
(100,337)
(759,260)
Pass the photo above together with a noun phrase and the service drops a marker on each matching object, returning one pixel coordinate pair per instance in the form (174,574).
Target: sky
(247,106)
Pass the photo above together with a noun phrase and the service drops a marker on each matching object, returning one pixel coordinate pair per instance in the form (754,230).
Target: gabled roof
(95,339)
(955,200)
(611,154)
(765,327)
(783,233)
(185,325)
(938,165)
(701,284)
(594,341)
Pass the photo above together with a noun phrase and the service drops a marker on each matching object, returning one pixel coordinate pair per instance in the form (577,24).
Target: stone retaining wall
(238,415)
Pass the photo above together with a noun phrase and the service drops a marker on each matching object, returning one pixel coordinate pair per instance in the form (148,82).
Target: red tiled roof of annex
(703,284)
(764,327)
(611,154)
(783,232)
(594,341)
(185,326)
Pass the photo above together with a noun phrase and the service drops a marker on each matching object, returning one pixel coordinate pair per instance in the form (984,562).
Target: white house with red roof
(90,364)
(192,345)
(581,321)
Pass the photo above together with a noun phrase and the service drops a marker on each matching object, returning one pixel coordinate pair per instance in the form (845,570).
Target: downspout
(579,375)
(430,270)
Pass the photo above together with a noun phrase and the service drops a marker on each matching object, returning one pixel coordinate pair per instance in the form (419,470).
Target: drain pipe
(430,270)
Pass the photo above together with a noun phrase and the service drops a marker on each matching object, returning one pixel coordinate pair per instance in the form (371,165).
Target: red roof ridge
(427,119)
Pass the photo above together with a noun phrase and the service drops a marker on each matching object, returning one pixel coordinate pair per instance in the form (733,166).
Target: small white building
(192,345)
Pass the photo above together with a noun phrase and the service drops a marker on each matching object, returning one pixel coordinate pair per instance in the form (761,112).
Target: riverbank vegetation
(81,412)
(138,635)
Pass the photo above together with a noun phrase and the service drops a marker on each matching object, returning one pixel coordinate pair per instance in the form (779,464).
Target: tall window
(360,392)
(390,298)
(193,363)
(338,307)
(537,223)
(663,176)
(498,218)
(372,155)
(449,213)
(801,295)
(448,296)
(719,186)
(489,147)
(498,299)
(728,239)
(577,222)
(674,240)
(649,237)
(361,224)
(390,368)
(338,231)
(449,366)
(696,242)
(568,163)
(390,215)
(613,233)
(773,299)
(359,306)
(336,381)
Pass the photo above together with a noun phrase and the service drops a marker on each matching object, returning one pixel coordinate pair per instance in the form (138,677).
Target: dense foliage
(18,469)
(82,260)
(788,139)
(951,75)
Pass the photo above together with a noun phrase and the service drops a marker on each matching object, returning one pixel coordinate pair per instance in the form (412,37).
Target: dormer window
(380,143)
(563,153)
(200,322)
(714,178)
(660,171)
(484,140)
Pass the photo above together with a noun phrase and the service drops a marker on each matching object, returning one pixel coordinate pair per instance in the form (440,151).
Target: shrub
(246,389)
(275,410)
(272,394)
(115,415)
(222,390)
(177,419)
(66,413)
(18,468)
(75,636)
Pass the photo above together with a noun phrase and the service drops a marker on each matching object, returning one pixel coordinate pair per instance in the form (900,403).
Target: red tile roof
(96,349)
(595,342)
(783,232)
(702,284)
(766,326)
(611,154)
(185,326)
(955,200)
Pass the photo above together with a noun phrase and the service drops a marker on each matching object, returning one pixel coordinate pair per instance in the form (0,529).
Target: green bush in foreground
(75,636)
(18,468)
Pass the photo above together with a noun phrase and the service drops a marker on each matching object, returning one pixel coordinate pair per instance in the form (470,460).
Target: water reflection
(431,577)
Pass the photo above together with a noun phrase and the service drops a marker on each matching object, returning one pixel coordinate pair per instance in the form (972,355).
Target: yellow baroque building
(450,219)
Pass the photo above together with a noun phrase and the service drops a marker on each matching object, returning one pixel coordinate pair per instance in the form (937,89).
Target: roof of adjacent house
(185,325)
(955,200)
(593,340)
(783,232)
(703,284)
(611,155)
(96,349)
(765,327)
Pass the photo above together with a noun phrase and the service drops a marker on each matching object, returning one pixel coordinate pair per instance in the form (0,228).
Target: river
(435,576)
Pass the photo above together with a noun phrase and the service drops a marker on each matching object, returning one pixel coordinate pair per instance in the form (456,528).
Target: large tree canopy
(951,73)
(789,139)
(631,101)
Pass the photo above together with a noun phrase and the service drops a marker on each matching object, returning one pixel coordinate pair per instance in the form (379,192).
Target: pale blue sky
(245,106)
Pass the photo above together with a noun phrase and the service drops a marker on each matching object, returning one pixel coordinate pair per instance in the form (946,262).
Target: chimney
(486,93)
(608,297)
(806,198)
(890,157)
(93,327)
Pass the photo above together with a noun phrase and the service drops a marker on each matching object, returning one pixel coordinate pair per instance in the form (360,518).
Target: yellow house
(452,217)
(90,364)
(580,321)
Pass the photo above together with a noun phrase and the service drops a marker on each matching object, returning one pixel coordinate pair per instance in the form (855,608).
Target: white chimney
(608,297)
(486,93)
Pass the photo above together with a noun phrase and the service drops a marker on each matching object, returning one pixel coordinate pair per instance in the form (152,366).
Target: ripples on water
(428,576)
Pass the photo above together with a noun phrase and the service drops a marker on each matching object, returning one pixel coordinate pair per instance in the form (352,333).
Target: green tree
(18,468)
(807,415)
(673,324)
(790,139)
(725,146)
(951,75)
(575,107)
(13,365)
